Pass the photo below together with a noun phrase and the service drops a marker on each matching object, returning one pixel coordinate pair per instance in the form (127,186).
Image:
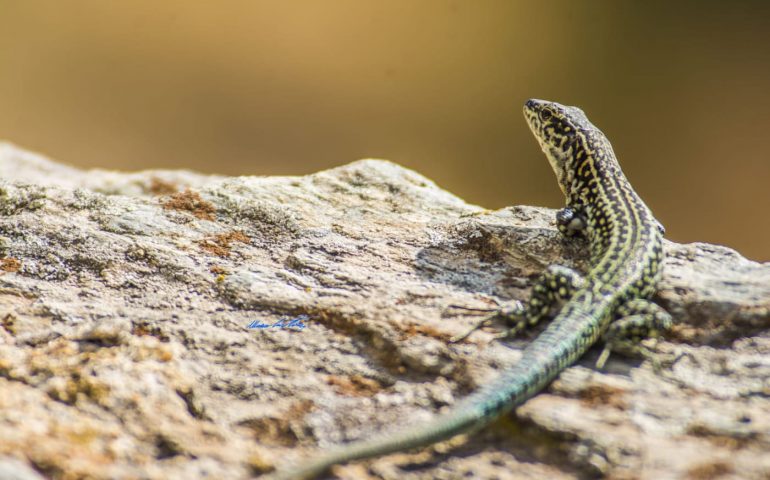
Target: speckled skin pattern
(610,301)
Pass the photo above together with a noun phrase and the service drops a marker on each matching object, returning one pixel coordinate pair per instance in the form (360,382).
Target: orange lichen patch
(221,244)
(10,264)
(70,389)
(217,270)
(189,201)
(145,329)
(356,385)
(426,330)
(718,439)
(277,430)
(71,450)
(597,395)
(161,187)
(710,470)
(9,323)
(68,367)
(259,465)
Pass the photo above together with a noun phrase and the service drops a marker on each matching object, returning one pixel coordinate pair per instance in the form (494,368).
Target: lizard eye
(545,115)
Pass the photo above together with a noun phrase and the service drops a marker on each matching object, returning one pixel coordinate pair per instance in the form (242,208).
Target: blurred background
(246,87)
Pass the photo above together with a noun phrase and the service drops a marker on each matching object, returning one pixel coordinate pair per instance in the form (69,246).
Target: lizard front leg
(571,221)
(556,285)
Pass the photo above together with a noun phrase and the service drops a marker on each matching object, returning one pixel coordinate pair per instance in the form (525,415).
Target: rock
(167,324)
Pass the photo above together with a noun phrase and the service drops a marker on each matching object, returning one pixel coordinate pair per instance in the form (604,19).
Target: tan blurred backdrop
(291,87)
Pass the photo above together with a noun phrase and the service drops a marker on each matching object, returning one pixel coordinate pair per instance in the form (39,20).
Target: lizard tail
(566,339)
(438,429)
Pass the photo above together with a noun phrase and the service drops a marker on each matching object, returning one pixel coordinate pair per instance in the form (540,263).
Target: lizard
(611,302)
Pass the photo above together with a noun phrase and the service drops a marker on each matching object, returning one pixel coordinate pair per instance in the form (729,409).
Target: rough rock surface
(126,352)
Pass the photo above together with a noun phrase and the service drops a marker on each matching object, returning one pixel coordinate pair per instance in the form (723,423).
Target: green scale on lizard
(610,302)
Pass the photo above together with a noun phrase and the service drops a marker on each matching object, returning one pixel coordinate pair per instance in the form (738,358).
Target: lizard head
(556,128)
